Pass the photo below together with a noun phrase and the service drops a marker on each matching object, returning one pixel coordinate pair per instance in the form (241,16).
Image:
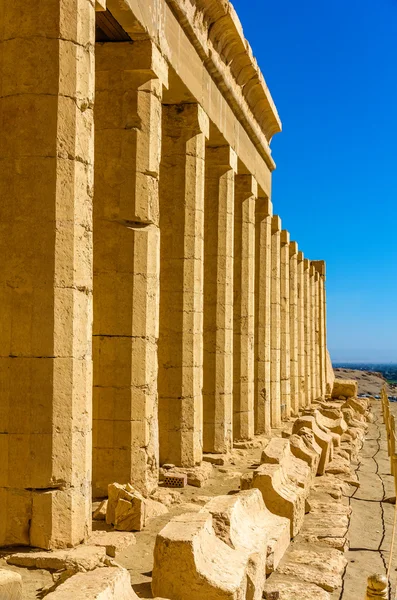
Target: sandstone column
(318,334)
(244,307)
(220,168)
(301,332)
(323,328)
(313,333)
(308,337)
(294,326)
(46,183)
(275,367)
(130,79)
(285,329)
(263,268)
(185,129)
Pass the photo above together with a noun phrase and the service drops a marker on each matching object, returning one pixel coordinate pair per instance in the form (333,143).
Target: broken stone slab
(128,510)
(108,583)
(337,425)
(339,465)
(191,561)
(292,588)
(305,447)
(167,497)
(216,459)
(248,444)
(278,451)
(10,585)
(99,514)
(323,439)
(345,387)
(116,491)
(246,481)
(112,541)
(281,496)
(314,563)
(82,558)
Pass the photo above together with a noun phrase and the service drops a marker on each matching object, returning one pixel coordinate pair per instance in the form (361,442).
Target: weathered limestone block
(10,585)
(110,583)
(191,562)
(293,588)
(305,447)
(99,513)
(345,387)
(82,558)
(263,270)
(112,541)
(323,439)
(128,510)
(246,193)
(359,405)
(278,451)
(337,425)
(220,169)
(282,496)
(314,563)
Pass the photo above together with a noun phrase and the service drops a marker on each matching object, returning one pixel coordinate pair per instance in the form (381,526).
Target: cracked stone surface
(371,521)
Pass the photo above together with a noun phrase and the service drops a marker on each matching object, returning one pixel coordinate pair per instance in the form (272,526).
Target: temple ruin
(153,309)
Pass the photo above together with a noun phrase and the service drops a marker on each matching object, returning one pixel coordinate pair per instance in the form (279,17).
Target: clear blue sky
(331,67)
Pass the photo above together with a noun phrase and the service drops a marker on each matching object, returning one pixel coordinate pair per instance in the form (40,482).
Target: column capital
(301,256)
(285,237)
(222,156)
(276,224)
(141,56)
(306,264)
(246,185)
(312,269)
(293,248)
(320,267)
(186,120)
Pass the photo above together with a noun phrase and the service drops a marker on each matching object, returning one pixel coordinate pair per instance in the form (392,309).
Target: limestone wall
(148,294)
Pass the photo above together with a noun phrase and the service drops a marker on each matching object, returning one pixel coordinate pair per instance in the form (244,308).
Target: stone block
(10,585)
(82,558)
(190,561)
(278,451)
(112,541)
(305,447)
(111,583)
(292,588)
(345,387)
(323,439)
(99,514)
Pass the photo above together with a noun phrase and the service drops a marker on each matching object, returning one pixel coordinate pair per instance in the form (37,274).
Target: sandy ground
(368,381)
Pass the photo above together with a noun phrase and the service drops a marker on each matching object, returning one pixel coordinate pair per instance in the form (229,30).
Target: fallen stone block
(167,497)
(116,491)
(215,459)
(323,439)
(112,541)
(190,561)
(281,496)
(99,513)
(128,510)
(246,481)
(339,465)
(10,585)
(109,583)
(314,563)
(292,588)
(305,447)
(278,451)
(345,387)
(82,558)
(336,425)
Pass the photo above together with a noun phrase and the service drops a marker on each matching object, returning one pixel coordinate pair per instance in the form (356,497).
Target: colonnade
(153,308)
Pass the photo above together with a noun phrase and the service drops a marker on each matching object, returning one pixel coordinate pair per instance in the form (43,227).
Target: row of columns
(208,325)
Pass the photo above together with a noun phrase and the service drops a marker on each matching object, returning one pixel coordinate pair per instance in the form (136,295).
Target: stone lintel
(246,186)
(100,5)
(141,56)
(276,224)
(222,156)
(285,237)
(293,249)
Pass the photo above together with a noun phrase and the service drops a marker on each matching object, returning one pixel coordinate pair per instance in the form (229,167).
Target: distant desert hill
(369,382)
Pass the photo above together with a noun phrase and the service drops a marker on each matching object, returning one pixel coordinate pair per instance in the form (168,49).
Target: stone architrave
(182,179)
(263,270)
(285,367)
(46,189)
(294,326)
(301,332)
(220,169)
(126,264)
(275,366)
(308,338)
(246,193)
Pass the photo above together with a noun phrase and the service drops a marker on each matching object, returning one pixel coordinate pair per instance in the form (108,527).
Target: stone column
(185,129)
(244,307)
(313,332)
(220,169)
(294,326)
(130,79)
(301,332)
(285,329)
(320,266)
(46,183)
(318,335)
(263,268)
(308,337)
(275,367)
